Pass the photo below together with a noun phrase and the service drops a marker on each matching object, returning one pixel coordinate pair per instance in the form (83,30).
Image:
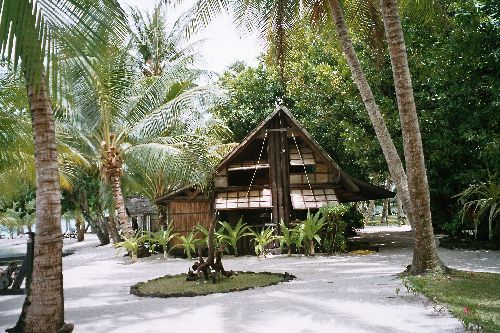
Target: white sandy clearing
(349,293)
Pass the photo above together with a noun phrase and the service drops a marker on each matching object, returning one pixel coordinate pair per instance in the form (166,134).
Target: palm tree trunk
(400,208)
(120,206)
(43,308)
(80,228)
(113,230)
(389,150)
(425,255)
(385,205)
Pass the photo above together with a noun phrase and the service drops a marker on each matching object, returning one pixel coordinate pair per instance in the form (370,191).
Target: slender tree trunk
(113,172)
(385,205)
(400,208)
(113,230)
(96,225)
(80,228)
(43,308)
(311,247)
(120,206)
(162,215)
(370,210)
(389,150)
(425,255)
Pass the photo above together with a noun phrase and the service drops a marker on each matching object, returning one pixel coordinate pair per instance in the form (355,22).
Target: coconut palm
(123,115)
(158,41)
(32,33)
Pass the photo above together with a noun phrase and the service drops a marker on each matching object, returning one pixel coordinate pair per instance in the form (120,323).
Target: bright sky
(224,45)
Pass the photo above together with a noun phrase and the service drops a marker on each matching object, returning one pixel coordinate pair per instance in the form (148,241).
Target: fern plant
(311,227)
(482,199)
(131,244)
(230,235)
(162,238)
(262,239)
(289,237)
(189,243)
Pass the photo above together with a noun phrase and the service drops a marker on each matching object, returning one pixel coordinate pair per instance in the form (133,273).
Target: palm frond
(34,33)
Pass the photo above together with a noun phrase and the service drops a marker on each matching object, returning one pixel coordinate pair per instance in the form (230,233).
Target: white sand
(346,293)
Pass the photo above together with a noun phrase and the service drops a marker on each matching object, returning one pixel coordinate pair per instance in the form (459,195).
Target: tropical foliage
(310,229)
(482,201)
(189,243)
(162,238)
(289,236)
(132,244)
(262,239)
(231,234)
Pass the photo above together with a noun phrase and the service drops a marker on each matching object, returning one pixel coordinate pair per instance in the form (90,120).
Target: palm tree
(425,255)
(157,42)
(122,114)
(31,34)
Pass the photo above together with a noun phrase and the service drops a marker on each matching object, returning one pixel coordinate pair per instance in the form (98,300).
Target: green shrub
(289,237)
(310,231)
(161,238)
(189,243)
(262,239)
(131,244)
(230,235)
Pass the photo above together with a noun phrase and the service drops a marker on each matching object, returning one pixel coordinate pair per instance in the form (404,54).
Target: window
(146,223)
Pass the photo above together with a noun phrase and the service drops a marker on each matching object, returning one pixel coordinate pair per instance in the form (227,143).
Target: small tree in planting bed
(212,268)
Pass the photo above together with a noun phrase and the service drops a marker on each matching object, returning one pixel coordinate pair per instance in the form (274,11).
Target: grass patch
(473,297)
(177,286)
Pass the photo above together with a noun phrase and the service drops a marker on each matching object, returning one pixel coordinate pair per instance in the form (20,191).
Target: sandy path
(331,294)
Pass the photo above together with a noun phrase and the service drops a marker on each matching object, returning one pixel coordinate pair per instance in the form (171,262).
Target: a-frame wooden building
(280,168)
(277,173)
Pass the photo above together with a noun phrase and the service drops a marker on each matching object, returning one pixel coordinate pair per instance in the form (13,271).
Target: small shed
(187,207)
(142,213)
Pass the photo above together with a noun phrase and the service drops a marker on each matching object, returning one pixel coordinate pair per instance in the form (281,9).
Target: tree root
(209,269)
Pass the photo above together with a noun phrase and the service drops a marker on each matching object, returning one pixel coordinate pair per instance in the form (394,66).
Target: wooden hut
(142,213)
(277,173)
(187,207)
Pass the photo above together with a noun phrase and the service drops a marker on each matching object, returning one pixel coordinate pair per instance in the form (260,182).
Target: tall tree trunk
(401,214)
(120,206)
(389,150)
(162,215)
(80,227)
(43,308)
(370,211)
(96,225)
(425,255)
(385,205)
(112,169)
(113,230)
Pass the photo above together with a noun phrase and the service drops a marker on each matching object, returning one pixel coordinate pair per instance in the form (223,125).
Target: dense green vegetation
(177,286)
(471,296)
